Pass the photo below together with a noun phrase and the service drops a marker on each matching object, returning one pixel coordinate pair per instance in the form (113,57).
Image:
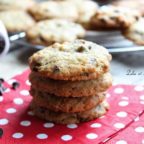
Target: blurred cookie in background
(135,32)
(16,20)
(16,4)
(86,9)
(48,32)
(112,17)
(54,9)
(133,4)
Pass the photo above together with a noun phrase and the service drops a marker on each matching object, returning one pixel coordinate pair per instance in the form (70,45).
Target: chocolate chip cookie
(111,17)
(16,4)
(135,32)
(48,32)
(66,104)
(54,9)
(16,20)
(78,60)
(71,88)
(69,118)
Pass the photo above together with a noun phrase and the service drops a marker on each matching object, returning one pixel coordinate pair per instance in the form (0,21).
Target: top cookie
(111,17)
(48,32)
(16,20)
(78,60)
(135,32)
(15,4)
(54,9)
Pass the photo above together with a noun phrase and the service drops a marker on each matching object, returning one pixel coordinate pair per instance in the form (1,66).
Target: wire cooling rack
(113,41)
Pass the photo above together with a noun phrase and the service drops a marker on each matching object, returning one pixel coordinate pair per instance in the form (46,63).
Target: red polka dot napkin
(123,123)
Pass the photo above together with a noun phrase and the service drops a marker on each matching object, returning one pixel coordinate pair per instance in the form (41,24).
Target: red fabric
(116,127)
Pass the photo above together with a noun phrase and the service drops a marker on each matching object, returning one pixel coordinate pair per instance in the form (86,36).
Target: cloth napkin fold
(123,123)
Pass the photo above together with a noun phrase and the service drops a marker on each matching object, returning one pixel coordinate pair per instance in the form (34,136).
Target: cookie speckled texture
(64,104)
(71,88)
(54,9)
(16,4)
(78,60)
(16,20)
(50,31)
(111,17)
(135,32)
(69,118)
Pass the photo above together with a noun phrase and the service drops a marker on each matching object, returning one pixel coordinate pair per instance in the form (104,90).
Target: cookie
(16,20)
(69,118)
(78,60)
(111,18)
(132,4)
(86,9)
(16,4)
(48,32)
(71,88)
(66,104)
(135,32)
(54,9)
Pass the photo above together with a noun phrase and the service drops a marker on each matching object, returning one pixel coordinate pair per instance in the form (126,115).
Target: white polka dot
(42,136)
(3,121)
(107,95)
(25,123)
(72,126)
(121,114)
(118,90)
(30,113)
(142,102)
(48,125)
(11,81)
(11,110)
(91,136)
(125,98)
(121,142)
(24,92)
(139,88)
(143,141)
(139,129)
(142,97)
(1,98)
(123,103)
(119,125)
(18,101)
(96,125)
(17,135)
(28,82)
(66,137)
(7,90)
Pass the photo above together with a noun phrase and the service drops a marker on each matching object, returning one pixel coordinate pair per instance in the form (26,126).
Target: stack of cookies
(69,82)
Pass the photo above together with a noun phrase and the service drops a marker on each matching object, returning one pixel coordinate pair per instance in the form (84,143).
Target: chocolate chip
(1,80)
(89,47)
(81,49)
(15,85)
(1,92)
(35,69)
(56,69)
(85,74)
(1,132)
(103,20)
(112,18)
